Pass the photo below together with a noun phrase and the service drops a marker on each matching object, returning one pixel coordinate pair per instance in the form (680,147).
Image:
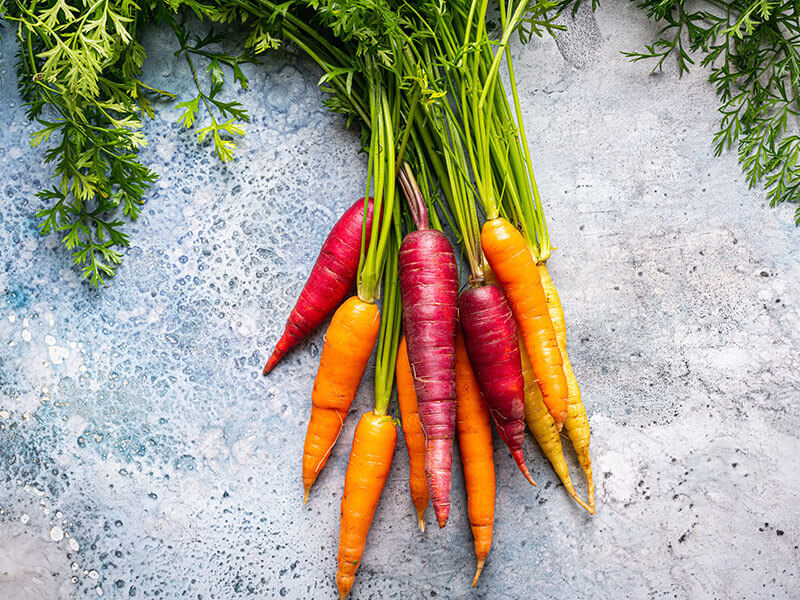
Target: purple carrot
(490,333)
(429,293)
(331,279)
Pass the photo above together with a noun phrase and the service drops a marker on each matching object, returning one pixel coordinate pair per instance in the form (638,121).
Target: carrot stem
(389,336)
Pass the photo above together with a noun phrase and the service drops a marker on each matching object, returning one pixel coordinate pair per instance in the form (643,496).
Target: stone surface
(134,419)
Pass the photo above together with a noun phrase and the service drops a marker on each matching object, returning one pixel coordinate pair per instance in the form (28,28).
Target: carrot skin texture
(477,454)
(331,279)
(348,345)
(513,265)
(412,431)
(370,461)
(429,292)
(543,427)
(491,340)
(576,423)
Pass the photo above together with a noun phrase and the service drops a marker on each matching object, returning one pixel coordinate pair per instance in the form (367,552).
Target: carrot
(429,294)
(477,454)
(348,344)
(491,341)
(513,265)
(576,423)
(370,460)
(543,427)
(412,430)
(331,278)
(376,434)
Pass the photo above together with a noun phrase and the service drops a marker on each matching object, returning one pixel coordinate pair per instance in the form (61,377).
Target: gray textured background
(136,421)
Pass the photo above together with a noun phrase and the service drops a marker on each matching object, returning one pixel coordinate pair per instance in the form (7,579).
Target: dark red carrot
(491,337)
(429,291)
(331,279)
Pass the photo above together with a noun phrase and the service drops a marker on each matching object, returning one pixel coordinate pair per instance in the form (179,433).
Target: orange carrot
(370,460)
(412,430)
(477,454)
(515,269)
(347,348)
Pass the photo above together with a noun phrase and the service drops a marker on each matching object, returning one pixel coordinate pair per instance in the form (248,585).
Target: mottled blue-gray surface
(142,455)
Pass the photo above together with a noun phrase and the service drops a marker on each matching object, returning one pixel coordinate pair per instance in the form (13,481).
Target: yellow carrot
(543,427)
(576,423)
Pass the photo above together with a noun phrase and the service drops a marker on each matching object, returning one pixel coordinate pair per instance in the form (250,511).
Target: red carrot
(491,337)
(331,279)
(429,293)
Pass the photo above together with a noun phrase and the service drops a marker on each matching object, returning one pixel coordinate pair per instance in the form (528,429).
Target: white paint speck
(4,414)
(56,534)
(25,322)
(26,335)
(57,354)
(76,424)
(93,574)
(74,545)
(12,318)
(212,444)
(24,518)
(49,340)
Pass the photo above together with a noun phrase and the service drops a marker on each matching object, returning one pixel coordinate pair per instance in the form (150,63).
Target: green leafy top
(192,47)
(79,71)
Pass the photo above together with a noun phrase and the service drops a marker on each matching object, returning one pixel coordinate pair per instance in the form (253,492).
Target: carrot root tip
(421,518)
(478,571)
(582,504)
(273,360)
(305,495)
(527,474)
(519,458)
(442,522)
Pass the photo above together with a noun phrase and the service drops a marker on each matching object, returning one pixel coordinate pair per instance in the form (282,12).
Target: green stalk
(391,318)
(539,224)
(383,169)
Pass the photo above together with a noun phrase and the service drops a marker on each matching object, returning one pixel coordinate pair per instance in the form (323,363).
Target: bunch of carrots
(423,82)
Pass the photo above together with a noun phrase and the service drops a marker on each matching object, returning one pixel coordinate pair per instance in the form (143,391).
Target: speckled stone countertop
(142,455)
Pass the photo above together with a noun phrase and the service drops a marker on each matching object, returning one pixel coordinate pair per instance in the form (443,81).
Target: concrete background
(142,455)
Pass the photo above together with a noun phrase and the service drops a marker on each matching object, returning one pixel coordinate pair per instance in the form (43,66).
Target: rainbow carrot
(477,454)
(412,431)
(348,344)
(513,265)
(331,279)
